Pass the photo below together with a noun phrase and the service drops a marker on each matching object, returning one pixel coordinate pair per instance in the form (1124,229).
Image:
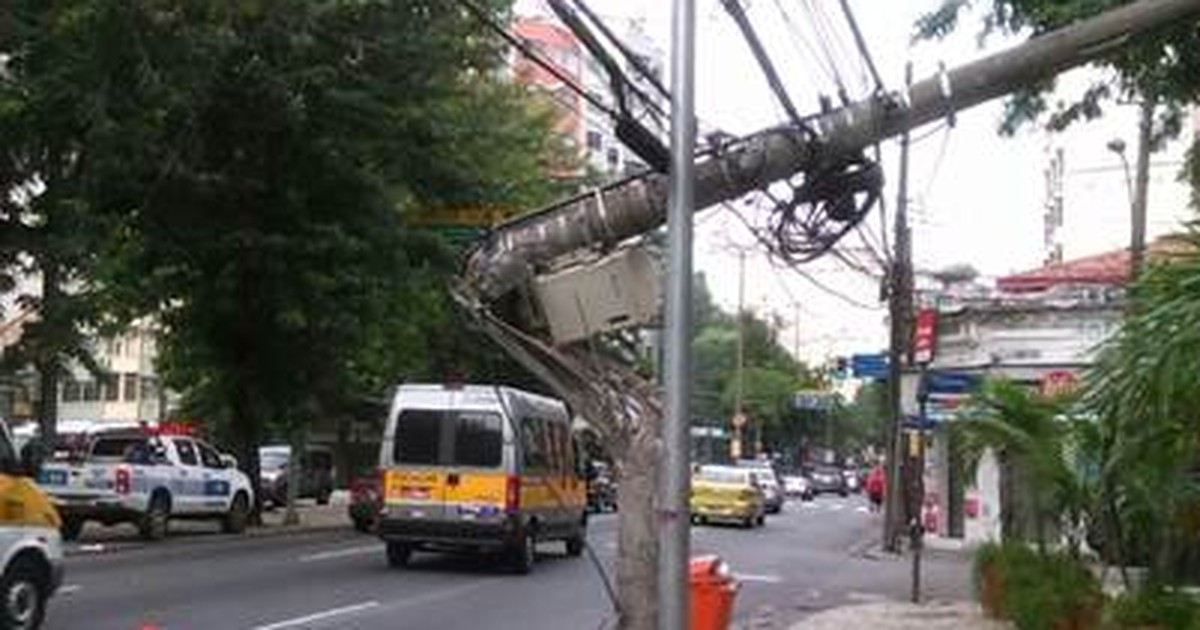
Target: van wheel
(234,521)
(23,593)
(524,555)
(398,554)
(72,527)
(153,525)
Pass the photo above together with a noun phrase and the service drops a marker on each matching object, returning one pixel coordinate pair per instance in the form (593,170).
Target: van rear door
(449,464)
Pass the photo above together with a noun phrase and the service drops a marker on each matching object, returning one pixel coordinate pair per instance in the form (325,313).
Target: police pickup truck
(147,477)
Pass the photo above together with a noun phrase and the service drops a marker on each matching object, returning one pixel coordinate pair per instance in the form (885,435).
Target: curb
(101,548)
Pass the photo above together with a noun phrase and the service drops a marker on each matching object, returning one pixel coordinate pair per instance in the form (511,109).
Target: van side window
(534,455)
(558,458)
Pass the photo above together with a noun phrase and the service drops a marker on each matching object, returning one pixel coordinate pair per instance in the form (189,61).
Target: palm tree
(1145,390)
(1045,454)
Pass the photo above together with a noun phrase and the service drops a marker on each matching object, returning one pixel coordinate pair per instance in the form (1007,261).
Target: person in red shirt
(876,486)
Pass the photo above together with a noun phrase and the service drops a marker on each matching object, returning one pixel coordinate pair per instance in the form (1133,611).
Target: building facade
(1042,329)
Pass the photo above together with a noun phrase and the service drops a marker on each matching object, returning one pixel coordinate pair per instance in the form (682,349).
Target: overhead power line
(863,50)
(734,8)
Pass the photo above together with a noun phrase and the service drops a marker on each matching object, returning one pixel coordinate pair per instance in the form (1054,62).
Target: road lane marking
(319,616)
(755,577)
(67,589)
(862,509)
(341,553)
(836,507)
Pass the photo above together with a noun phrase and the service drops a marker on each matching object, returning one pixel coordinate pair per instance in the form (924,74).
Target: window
(208,456)
(149,388)
(187,452)
(418,437)
(614,158)
(116,447)
(534,452)
(109,384)
(91,391)
(71,390)
(478,438)
(595,141)
(131,387)
(449,438)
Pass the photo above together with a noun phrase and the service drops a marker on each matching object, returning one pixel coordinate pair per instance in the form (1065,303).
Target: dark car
(316,474)
(366,499)
(828,480)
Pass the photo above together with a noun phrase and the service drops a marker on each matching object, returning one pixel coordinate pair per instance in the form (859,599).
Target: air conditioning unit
(620,290)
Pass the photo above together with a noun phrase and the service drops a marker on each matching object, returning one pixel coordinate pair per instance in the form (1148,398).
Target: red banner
(925,336)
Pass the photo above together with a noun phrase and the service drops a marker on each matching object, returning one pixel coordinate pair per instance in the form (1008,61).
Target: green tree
(1163,67)
(78,104)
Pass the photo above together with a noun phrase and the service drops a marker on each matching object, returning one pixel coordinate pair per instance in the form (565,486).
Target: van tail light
(382,481)
(512,494)
(123,482)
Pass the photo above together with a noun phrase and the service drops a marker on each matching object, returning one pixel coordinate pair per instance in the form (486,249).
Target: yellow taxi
(727,494)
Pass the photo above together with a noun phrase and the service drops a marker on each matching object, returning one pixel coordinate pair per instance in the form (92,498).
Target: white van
(480,467)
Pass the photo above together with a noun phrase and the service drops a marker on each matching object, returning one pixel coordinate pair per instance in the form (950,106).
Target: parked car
(768,480)
(366,499)
(798,486)
(147,477)
(602,488)
(853,480)
(316,474)
(727,493)
(828,480)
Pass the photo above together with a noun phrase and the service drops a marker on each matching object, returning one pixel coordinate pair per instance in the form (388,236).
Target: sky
(975,197)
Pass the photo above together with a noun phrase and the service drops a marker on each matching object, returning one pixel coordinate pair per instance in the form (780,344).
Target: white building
(127,391)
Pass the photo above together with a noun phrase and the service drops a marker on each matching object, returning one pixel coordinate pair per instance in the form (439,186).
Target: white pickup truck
(147,479)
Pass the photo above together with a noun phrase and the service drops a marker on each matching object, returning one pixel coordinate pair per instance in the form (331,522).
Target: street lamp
(1117,145)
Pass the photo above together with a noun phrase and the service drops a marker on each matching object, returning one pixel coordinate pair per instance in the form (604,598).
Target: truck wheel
(398,554)
(234,521)
(72,527)
(153,525)
(23,593)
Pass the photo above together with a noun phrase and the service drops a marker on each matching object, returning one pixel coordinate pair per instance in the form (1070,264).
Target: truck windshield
(444,437)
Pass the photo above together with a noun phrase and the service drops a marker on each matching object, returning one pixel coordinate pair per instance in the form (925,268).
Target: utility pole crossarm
(637,206)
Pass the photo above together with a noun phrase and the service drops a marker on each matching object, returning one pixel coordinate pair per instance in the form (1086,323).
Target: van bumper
(461,533)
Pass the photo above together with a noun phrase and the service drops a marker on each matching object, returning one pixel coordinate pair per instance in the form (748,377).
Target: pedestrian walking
(876,486)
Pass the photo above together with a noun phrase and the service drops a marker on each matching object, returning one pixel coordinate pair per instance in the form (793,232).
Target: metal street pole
(739,417)
(1141,187)
(673,514)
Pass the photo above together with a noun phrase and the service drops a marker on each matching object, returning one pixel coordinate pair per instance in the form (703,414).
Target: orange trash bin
(713,591)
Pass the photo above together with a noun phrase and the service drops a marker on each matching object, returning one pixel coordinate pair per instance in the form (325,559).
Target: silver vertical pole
(674,543)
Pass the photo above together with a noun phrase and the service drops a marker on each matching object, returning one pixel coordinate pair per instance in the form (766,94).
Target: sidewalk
(97,538)
(903,616)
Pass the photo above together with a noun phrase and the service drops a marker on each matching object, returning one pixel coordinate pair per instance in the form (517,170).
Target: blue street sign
(869,365)
(952,382)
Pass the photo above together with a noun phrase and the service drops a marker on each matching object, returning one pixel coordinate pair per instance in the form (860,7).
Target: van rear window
(444,437)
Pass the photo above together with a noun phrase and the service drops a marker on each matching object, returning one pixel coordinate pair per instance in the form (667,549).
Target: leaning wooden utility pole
(900,308)
(634,207)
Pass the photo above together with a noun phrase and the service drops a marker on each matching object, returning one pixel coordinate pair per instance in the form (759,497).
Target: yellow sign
(475,216)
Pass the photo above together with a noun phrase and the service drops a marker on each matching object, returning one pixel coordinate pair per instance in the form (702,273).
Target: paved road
(800,562)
